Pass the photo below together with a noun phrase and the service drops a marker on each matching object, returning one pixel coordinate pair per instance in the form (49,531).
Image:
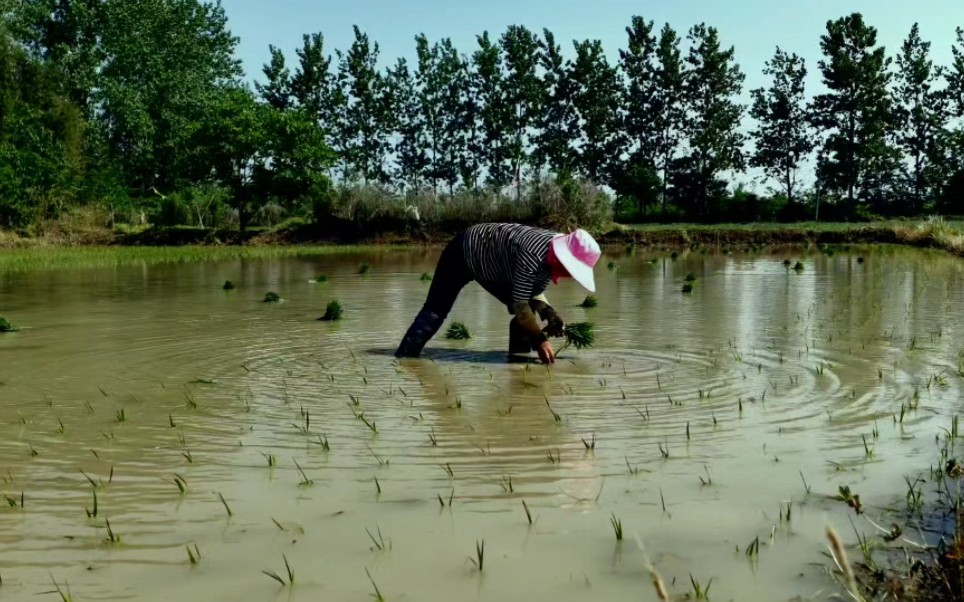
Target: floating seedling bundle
(333,311)
(458,332)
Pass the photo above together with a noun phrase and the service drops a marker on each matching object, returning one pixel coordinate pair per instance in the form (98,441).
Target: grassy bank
(159,245)
(40,257)
(937,233)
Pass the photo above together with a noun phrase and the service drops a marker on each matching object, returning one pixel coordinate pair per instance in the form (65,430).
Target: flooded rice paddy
(222,437)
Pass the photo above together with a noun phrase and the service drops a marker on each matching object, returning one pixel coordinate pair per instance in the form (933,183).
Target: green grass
(56,257)
(781,227)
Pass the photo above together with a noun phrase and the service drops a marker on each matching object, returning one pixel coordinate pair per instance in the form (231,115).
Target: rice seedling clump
(333,311)
(458,332)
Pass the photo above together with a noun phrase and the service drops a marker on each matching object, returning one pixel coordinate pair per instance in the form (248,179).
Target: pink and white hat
(578,252)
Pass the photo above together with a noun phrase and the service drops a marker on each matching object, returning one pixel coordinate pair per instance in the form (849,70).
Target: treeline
(141,111)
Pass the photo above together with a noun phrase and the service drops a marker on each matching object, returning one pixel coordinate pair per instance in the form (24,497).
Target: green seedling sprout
(708,480)
(591,444)
(617,527)
(92,512)
(6,326)
(378,594)
(64,593)
(276,577)
(320,279)
(305,481)
(426,277)
(364,268)
(458,332)
(333,311)
(691,277)
(195,556)
(228,285)
(798,267)
(111,536)
(272,297)
(754,548)
(479,559)
(181,483)
(590,301)
(528,514)
(380,544)
(225,503)
(699,591)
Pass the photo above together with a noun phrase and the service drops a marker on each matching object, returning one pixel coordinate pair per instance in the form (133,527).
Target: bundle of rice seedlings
(589,302)
(6,326)
(228,285)
(272,297)
(333,311)
(579,335)
(458,332)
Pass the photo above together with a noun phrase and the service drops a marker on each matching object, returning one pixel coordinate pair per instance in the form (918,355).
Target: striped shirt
(509,260)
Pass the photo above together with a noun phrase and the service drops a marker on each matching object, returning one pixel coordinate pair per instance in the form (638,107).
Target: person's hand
(546,354)
(555,327)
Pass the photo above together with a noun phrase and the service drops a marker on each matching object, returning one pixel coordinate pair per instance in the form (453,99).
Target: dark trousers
(451,275)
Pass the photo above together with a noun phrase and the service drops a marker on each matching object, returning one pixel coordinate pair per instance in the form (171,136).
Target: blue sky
(753,27)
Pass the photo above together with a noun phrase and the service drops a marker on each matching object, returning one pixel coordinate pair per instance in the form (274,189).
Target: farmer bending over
(514,263)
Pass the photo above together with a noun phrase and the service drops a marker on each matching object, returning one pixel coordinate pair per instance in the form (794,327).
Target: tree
(713,121)
(522,94)
(643,115)
(67,34)
(638,95)
(920,115)
(164,59)
(42,140)
(495,111)
(368,112)
(429,85)
(411,158)
(783,135)
(237,142)
(299,158)
(856,111)
(276,91)
(452,144)
(473,146)
(670,76)
(955,75)
(595,98)
(556,125)
(953,135)
(317,90)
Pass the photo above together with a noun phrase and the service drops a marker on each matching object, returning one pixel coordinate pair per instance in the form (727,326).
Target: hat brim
(579,271)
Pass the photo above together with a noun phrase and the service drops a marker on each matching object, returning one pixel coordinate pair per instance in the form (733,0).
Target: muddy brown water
(819,360)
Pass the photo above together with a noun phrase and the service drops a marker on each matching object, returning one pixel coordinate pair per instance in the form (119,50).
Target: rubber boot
(423,328)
